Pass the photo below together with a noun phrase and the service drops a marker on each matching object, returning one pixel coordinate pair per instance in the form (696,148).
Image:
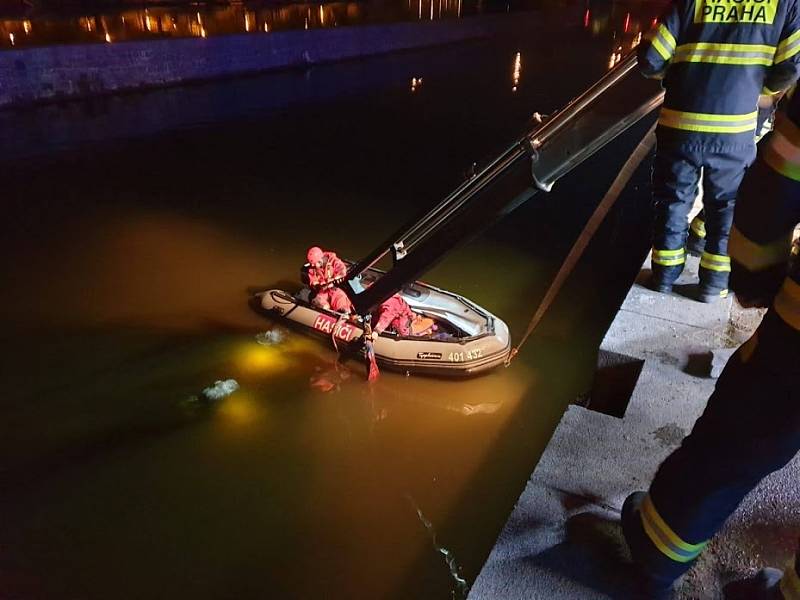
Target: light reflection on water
(159,22)
(134,298)
(625,23)
(137,276)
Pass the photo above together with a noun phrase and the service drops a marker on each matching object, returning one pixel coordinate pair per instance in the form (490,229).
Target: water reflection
(161,22)
(516,72)
(129,294)
(620,24)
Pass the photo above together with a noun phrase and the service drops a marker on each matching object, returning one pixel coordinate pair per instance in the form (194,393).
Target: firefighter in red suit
(325,272)
(395,314)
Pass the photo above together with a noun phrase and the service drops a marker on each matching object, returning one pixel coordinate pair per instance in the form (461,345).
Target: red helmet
(314,255)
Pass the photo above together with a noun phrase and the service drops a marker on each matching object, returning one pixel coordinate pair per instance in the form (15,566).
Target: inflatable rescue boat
(468,339)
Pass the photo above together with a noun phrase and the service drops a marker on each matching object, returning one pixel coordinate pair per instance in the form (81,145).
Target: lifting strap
(578,248)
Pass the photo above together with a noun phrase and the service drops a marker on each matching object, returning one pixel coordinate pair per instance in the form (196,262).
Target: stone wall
(48,74)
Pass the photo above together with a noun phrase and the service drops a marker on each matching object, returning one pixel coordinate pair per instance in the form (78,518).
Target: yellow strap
(664,538)
(591,227)
(757,257)
(787,303)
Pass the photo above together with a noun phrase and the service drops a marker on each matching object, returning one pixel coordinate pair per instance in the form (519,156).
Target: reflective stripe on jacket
(767,212)
(716,57)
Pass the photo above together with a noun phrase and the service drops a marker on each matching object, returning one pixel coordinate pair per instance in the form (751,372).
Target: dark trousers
(676,175)
(750,428)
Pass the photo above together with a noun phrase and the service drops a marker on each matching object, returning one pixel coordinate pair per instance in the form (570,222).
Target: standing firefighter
(751,426)
(716,58)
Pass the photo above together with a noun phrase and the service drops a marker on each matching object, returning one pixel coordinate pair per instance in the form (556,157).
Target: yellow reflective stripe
(712,117)
(699,227)
(665,253)
(761,48)
(783,44)
(669,258)
(712,128)
(706,122)
(790,583)
(782,152)
(724,60)
(715,262)
(782,155)
(714,267)
(668,37)
(728,54)
(787,303)
(757,257)
(665,54)
(788,47)
(662,536)
(787,128)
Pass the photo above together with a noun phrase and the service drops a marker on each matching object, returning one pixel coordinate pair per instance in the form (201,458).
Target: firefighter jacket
(396,314)
(767,213)
(332,271)
(715,58)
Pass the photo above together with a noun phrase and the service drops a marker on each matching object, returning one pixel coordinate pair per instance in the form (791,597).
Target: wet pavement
(130,260)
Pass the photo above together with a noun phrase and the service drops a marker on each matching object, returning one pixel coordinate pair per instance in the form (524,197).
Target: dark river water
(135,230)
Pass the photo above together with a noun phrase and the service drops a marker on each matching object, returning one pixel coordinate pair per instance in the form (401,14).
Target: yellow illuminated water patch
(254,358)
(240,409)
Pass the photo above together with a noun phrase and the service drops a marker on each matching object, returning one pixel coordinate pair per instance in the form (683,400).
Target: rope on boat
(336,327)
(592,225)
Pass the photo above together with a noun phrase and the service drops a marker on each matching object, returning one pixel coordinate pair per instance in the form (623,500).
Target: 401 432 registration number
(462,356)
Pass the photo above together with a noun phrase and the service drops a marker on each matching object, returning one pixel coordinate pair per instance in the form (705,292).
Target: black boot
(714,275)
(695,245)
(709,293)
(642,551)
(663,278)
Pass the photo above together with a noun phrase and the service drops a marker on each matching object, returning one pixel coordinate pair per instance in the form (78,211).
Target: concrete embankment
(563,540)
(48,74)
